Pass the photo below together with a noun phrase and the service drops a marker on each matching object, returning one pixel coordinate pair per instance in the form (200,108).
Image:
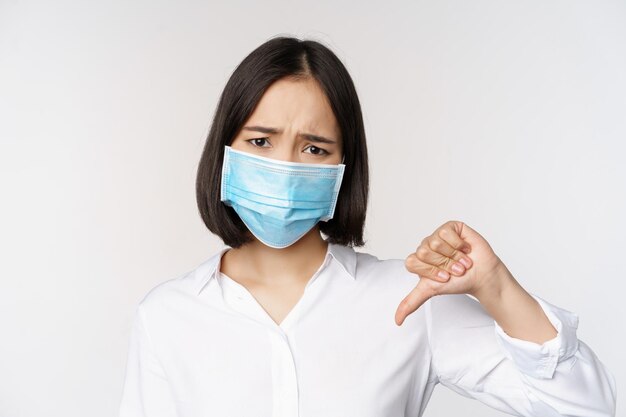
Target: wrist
(495,285)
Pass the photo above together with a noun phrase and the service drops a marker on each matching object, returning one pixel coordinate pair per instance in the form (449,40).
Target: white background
(509,116)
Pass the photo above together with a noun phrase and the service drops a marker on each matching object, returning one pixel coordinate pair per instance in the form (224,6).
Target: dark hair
(277,58)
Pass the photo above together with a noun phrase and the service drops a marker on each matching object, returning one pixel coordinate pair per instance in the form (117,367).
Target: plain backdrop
(507,115)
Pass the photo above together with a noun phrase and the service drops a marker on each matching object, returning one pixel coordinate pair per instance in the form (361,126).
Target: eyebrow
(271,130)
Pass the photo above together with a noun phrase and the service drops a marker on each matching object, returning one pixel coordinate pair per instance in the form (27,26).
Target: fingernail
(465,262)
(443,275)
(457,268)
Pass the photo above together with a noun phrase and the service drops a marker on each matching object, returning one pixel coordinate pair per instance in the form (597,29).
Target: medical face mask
(279,201)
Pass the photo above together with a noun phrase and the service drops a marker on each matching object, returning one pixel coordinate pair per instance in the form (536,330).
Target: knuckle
(421,252)
(409,262)
(444,232)
(436,244)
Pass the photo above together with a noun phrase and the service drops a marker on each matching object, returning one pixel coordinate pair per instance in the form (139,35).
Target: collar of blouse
(344,255)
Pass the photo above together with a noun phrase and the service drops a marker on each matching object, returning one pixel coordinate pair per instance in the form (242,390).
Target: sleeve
(473,356)
(145,392)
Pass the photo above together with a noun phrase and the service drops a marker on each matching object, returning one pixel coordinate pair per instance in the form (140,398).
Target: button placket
(283,367)
(284,380)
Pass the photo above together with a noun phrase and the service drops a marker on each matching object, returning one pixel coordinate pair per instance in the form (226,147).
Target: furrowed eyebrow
(271,130)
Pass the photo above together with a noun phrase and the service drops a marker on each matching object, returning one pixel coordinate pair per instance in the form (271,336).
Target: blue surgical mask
(279,201)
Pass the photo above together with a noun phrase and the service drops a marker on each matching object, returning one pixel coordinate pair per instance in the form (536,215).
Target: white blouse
(202,346)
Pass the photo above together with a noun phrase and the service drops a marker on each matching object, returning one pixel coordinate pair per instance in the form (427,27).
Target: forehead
(296,104)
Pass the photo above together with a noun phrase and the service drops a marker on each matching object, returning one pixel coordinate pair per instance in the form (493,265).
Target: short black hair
(279,57)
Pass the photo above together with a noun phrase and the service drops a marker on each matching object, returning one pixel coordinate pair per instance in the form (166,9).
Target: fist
(455,259)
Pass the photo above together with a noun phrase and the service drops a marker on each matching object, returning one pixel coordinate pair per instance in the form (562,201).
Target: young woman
(285,322)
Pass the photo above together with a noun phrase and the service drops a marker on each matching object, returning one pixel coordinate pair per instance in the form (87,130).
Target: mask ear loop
(343,158)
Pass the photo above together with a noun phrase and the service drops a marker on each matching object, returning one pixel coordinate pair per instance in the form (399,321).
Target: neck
(262,264)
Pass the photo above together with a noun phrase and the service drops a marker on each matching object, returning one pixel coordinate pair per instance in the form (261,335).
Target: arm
(516,312)
(473,356)
(493,341)
(146,391)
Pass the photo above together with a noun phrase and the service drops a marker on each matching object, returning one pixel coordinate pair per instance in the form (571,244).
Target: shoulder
(368,264)
(382,284)
(178,290)
(388,273)
(393,272)
(166,292)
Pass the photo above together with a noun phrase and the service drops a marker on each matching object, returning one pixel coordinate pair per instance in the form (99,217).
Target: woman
(284,322)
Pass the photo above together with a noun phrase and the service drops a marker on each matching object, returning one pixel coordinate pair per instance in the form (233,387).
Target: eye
(317,151)
(254,142)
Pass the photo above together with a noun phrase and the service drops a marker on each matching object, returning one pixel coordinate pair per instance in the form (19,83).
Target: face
(293,122)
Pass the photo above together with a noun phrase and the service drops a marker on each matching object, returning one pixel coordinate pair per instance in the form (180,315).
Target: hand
(450,246)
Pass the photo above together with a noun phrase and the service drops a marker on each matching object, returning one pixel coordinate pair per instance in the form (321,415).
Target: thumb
(466,232)
(414,300)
